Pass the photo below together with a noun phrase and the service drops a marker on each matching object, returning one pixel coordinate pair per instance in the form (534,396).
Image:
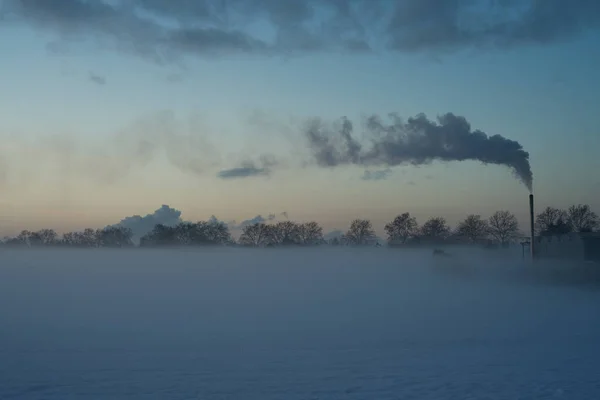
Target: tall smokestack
(532,224)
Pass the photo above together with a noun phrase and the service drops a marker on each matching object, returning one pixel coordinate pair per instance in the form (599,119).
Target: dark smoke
(417,141)
(215,27)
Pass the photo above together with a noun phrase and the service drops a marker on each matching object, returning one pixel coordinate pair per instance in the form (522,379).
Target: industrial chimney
(532,226)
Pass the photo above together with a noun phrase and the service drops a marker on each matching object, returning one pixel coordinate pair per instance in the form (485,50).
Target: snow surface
(344,323)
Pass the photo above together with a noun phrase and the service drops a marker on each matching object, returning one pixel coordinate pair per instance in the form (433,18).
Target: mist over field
(315,323)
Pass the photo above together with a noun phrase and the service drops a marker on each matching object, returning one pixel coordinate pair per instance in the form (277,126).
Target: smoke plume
(165,30)
(417,141)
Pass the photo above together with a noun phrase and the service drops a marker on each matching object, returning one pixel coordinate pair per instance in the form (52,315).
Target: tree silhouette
(334,241)
(310,234)
(435,229)
(360,232)
(552,221)
(23,237)
(46,237)
(256,235)
(581,218)
(402,228)
(34,239)
(285,233)
(503,226)
(160,236)
(201,233)
(473,227)
(43,237)
(188,233)
(87,238)
(217,233)
(115,236)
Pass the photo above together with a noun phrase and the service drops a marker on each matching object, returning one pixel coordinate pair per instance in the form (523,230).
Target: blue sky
(81,111)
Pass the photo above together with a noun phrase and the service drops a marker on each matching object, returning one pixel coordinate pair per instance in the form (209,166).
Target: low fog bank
(327,323)
(458,261)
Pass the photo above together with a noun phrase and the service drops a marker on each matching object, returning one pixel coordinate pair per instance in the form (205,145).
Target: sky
(112,109)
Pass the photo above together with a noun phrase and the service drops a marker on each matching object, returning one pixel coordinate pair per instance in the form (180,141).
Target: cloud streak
(208,27)
(417,141)
(249,169)
(97,79)
(378,175)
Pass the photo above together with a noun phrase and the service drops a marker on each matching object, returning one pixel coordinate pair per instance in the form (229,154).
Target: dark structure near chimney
(532,226)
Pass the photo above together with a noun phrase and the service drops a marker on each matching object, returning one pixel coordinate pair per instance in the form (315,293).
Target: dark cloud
(141,225)
(97,79)
(453,24)
(245,171)
(376,175)
(417,141)
(248,169)
(300,26)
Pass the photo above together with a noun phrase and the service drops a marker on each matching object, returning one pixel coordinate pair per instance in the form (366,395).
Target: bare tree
(401,228)
(217,233)
(435,228)
(503,226)
(23,237)
(187,233)
(115,236)
(43,237)
(310,233)
(360,232)
(285,233)
(256,235)
(201,233)
(581,218)
(552,221)
(161,236)
(473,227)
(89,238)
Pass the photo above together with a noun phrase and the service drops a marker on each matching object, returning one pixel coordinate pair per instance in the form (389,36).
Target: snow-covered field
(370,324)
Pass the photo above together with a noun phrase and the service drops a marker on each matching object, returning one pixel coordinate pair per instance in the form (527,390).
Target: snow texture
(373,324)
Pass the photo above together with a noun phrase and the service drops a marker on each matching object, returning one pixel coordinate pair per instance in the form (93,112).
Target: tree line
(501,228)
